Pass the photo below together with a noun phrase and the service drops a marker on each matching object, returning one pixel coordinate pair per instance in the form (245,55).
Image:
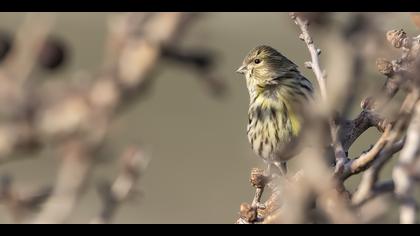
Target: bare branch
(363,162)
(339,152)
(314,64)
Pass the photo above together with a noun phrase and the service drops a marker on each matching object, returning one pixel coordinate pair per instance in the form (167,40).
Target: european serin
(278,92)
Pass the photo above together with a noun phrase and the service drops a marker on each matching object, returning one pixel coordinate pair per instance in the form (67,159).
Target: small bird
(278,92)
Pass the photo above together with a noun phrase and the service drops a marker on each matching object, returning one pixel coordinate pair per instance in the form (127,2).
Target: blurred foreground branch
(133,163)
(73,118)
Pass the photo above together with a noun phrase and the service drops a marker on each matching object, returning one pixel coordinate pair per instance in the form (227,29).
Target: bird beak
(241,70)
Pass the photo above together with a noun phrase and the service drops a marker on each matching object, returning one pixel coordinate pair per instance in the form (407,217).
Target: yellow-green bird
(278,92)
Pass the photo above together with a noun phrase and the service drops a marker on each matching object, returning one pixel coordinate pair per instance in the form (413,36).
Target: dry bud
(318,51)
(308,64)
(384,67)
(398,38)
(301,37)
(258,179)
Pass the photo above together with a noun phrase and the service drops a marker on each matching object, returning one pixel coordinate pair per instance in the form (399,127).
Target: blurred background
(200,157)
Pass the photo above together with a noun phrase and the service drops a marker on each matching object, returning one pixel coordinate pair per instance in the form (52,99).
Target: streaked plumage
(278,92)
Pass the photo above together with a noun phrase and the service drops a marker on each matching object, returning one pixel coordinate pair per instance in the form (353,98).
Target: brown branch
(370,177)
(368,187)
(364,161)
(350,130)
(373,191)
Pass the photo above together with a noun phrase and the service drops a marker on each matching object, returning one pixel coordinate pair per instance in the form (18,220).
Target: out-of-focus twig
(75,166)
(402,174)
(30,39)
(134,163)
(18,202)
(203,62)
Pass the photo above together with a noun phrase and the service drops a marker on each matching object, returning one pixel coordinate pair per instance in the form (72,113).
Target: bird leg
(282,167)
(256,202)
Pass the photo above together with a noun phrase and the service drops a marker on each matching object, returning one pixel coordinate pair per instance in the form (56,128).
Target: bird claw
(260,206)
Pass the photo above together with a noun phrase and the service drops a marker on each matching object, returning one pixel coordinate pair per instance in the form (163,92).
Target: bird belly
(269,133)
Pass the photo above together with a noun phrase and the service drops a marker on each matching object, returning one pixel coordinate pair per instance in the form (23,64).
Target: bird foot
(260,206)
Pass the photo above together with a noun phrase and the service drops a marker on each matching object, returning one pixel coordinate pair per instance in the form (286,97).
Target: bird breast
(270,126)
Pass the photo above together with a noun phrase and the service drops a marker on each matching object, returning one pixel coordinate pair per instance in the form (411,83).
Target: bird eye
(257,61)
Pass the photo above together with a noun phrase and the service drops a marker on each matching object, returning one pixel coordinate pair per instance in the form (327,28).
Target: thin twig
(339,152)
